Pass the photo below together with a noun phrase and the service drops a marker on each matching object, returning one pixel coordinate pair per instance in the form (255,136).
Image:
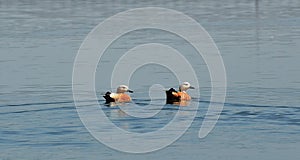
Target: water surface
(259,42)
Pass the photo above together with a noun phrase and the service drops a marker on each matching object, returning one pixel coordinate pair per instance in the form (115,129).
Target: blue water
(259,42)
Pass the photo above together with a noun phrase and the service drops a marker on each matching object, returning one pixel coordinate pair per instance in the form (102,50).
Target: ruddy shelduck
(181,95)
(120,96)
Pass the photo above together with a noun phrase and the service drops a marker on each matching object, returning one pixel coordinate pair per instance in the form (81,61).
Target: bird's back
(116,97)
(122,97)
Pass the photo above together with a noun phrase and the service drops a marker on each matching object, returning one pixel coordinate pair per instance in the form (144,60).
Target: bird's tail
(171,98)
(108,98)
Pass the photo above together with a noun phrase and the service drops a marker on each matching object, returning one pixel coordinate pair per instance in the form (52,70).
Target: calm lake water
(258,40)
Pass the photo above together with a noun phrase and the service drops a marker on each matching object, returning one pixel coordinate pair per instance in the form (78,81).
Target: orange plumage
(120,96)
(173,96)
(183,96)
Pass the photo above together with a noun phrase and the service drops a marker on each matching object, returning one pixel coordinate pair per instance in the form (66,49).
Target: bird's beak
(191,87)
(130,91)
